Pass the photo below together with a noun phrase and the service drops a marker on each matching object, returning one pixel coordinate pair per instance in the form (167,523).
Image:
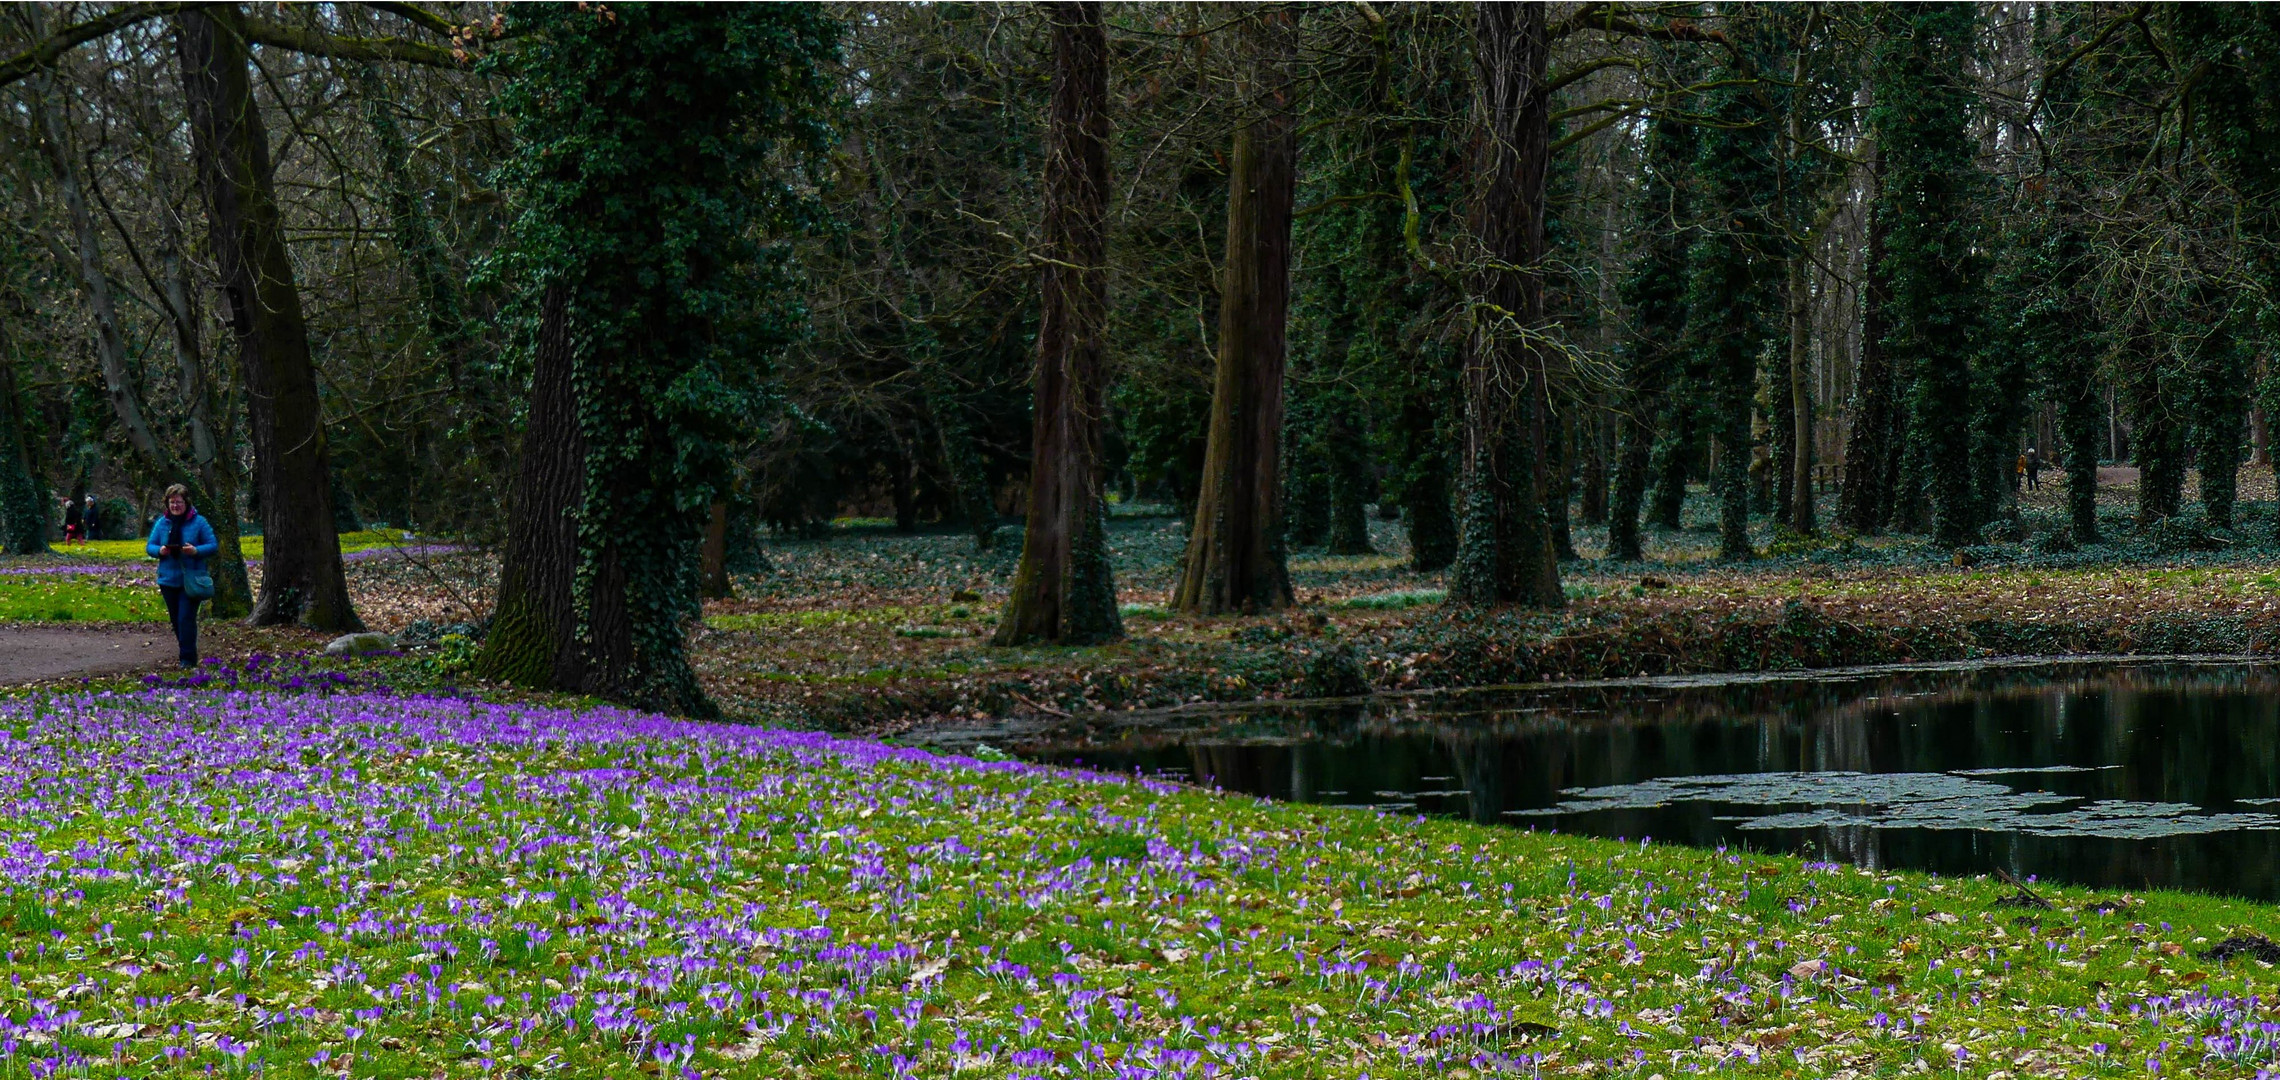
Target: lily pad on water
(1944,801)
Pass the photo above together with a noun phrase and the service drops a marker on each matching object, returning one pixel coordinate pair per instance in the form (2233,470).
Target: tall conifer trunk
(1064,590)
(1235,555)
(1505,554)
(301,580)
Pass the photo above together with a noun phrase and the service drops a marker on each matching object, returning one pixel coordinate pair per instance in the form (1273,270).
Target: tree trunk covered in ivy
(1999,411)
(1559,483)
(1930,181)
(1731,286)
(1864,504)
(647,207)
(302,579)
(1346,448)
(1505,553)
(1673,455)
(1235,556)
(1634,439)
(2158,431)
(1595,442)
(2002,382)
(2219,370)
(2234,55)
(2058,324)
(1426,512)
(1306,474)
(1659,420)
(1064,590)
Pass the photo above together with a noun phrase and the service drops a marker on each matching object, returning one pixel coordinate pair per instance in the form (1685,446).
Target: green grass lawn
(382,886)
(35,598)
(134,550)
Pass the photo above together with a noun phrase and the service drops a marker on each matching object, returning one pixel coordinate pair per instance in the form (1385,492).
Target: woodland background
(1503,273)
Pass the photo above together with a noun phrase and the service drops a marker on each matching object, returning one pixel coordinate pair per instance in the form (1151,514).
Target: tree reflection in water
(2102,773)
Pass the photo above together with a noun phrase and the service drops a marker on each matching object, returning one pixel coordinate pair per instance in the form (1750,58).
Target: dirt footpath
(41,653)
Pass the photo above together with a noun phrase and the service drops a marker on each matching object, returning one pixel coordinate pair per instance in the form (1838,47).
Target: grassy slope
(402,887)
(110,581)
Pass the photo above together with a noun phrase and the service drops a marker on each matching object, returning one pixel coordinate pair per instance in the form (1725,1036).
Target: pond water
(2107,774)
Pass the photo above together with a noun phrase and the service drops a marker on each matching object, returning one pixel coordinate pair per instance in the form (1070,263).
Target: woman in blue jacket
(181,541)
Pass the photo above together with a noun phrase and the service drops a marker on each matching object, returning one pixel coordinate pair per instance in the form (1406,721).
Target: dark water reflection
(2126,776)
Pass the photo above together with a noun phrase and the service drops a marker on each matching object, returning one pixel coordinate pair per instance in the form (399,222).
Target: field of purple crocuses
(225,883)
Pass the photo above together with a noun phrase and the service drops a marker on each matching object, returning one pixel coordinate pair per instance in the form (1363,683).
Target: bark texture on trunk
(1064,590)
(1235,556)
(534,632)
(301,579)
(1506,553)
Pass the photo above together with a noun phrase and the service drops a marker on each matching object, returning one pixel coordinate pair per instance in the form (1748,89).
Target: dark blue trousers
(182,612)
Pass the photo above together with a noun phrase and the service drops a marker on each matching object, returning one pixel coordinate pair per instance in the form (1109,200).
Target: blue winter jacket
(199,535)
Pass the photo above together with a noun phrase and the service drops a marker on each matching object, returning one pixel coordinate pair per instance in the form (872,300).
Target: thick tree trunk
(1348,450)
(1597,435)
(1802,516)
(1506,553)
(1063,590)
(1426,512)
(534,628)
(1867,500)
(301,578)
(1559,488)
(1673,459)
(2220,415)
(1634,445)
(1235,558)
(2158,439)
(2082,430)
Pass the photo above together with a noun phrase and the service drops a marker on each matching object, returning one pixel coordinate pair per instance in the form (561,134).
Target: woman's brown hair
(177,489)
